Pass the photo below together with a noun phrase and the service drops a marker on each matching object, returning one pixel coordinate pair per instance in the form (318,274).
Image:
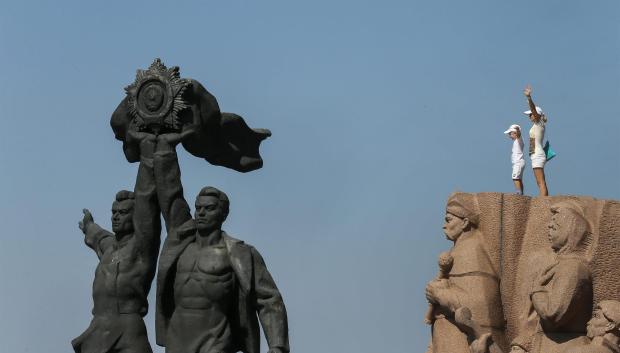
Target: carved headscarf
(578,238)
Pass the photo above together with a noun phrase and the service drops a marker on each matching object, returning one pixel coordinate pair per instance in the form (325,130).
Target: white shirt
(537,135)
(517,151)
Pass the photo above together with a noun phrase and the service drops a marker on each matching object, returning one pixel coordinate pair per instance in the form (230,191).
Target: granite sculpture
(603,330)
(212,289)
(555,259)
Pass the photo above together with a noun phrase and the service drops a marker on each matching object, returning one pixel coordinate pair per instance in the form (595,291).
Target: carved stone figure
(561,295)
(603,330)
(127,263)
(468,306)
(210,286)
(554,258)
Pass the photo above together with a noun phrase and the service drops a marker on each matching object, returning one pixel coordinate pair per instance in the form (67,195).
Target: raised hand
(527,91)
(145,139)
(86,221)
(168,141)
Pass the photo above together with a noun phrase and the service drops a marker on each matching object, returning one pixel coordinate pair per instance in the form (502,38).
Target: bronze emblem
(156,97)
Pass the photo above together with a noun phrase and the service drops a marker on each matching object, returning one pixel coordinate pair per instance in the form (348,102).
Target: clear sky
(379,110)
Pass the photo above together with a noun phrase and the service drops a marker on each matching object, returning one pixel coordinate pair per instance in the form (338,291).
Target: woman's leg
(539,173)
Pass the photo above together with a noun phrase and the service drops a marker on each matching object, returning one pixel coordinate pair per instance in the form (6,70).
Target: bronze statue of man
(210,286)
(127,263)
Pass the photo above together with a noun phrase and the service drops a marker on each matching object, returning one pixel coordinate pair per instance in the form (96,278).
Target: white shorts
(517,170)
(538,161)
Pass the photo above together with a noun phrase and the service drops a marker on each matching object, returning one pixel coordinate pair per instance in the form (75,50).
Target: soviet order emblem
(156,97)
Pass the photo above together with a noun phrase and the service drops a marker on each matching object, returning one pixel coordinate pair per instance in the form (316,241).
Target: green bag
(548,151)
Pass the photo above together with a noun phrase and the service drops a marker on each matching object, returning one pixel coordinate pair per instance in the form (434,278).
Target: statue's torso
(120,281)
(204,278)
(204,293)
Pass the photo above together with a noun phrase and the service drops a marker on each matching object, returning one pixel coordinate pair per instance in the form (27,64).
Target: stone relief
(535,265)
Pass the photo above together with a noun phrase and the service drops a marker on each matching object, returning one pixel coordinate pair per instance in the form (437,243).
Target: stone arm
(174,208)
(270,307)
(146,219)
(95,237)
(559,293)
(446,296)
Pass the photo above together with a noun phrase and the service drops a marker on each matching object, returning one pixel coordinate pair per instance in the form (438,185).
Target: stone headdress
(463,206)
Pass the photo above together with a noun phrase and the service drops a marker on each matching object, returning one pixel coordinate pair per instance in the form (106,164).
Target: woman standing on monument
(537,135)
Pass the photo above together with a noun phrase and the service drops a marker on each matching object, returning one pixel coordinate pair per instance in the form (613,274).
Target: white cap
(538,110)
(513,128)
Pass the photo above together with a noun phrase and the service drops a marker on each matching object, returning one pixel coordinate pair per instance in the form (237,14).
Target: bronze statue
(127,263)
(210,286)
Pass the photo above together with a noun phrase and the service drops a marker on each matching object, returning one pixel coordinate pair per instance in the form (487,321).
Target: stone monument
(212,289)
(535,275)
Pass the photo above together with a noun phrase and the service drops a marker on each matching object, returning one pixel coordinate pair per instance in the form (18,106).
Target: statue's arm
(270,307)
(173,205)
(445,296)
(146,220)
(95,237)
(554,300)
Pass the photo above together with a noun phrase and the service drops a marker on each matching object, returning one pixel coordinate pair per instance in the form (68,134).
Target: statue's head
(568,226)
(211,209)
(605,320)
(122,213)
(461,216)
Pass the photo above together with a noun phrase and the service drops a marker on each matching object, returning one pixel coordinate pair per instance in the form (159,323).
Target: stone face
(553,267)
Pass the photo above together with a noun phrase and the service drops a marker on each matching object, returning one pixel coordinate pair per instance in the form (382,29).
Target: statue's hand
(134,135)
(168,141)
(546,275)
(431,292)
(481,345)
(86,221)
(145,139)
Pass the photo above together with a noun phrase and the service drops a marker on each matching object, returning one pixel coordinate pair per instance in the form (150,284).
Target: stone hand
(146,140)
(431,292)
(172,139)
(546,275)
(481,345)
(86,221)
(135,135)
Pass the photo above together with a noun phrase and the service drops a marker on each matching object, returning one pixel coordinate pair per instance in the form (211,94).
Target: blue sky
(379,110)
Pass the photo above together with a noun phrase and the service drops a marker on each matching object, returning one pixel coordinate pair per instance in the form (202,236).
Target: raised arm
(146,219)
(528,94)
(95,237)
(173,205)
